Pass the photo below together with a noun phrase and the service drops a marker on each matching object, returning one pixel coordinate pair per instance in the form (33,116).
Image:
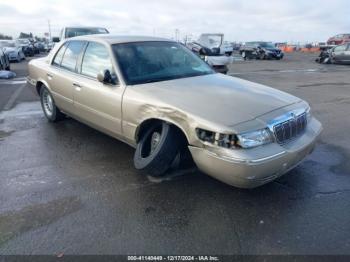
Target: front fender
(136,114)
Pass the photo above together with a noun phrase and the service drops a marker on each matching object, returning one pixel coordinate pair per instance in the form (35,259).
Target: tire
(8,68)
(157,149)
(51,111)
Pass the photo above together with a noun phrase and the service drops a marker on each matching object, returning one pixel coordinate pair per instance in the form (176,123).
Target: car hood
(272,49)
(217,98)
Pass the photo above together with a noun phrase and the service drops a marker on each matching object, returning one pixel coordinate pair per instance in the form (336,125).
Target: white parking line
(14,81)
(14,97)
(22,110)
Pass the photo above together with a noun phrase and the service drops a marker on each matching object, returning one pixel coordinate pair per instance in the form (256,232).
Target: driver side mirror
(105,76)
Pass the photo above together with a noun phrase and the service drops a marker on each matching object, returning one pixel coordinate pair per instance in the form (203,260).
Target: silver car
(12,50)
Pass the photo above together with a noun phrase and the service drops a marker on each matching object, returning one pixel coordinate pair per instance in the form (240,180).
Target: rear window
(72,32)
(71,55)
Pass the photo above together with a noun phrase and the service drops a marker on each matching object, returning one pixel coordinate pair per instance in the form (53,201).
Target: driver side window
(96,59)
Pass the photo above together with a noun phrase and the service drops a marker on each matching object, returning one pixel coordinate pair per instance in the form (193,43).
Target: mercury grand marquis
(157,96)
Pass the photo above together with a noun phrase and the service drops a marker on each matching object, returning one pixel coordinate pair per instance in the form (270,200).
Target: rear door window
(71,55)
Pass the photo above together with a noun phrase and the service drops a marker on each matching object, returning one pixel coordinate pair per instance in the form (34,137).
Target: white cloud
(275,20)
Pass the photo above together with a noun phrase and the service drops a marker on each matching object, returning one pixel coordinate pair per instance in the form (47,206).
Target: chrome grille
(290,129)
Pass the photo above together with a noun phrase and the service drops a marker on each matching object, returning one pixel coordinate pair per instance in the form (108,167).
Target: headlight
(245,140)
(308,114)
(255,138)
(222,140)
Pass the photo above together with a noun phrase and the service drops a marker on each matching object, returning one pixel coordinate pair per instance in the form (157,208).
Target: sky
(240,20)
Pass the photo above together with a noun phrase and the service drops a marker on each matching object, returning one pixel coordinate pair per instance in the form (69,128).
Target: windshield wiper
(158,79)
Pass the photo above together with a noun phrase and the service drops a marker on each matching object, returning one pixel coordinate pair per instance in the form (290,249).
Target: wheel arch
(39,84)
(140,129)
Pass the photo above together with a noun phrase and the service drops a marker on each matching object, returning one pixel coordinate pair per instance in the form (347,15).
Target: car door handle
(49,75)
(77,86)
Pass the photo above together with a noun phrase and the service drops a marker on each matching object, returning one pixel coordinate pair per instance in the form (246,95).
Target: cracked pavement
(66,188)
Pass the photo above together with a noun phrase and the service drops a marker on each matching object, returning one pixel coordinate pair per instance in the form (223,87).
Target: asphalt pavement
(68,189)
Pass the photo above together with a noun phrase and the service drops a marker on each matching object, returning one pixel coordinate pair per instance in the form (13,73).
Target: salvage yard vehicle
(12,50)
(334,54)
(27,46)
(159,97)
(4,61)
(339,39)
(340,54)
(261,50)
(212,49)
(68,32)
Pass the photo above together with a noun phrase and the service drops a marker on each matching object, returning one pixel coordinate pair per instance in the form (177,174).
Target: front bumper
(249,168)
(275,55)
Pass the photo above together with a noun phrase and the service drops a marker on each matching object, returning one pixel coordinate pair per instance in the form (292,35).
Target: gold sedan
(159,97)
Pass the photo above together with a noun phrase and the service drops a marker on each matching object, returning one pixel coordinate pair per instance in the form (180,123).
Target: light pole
(48,22)
(177,32)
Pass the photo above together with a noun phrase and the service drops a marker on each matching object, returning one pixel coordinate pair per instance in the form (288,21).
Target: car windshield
(145,62)
(72,32)
(267,45)
(210,41)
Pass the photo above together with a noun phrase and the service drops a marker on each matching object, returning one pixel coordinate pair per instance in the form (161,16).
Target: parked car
(4,61)
(68,32)
(13,51)
(339,39)
(340,54)
(48,46)
(236,46)
(36,47)
(215,42)
(26,45)
(158,96)
(212,49)
(261,50)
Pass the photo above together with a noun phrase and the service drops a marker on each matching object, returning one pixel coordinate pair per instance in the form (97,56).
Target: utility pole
(177,32)
(48,22)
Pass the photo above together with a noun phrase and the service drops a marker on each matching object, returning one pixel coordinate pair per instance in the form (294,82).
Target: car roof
(117,39)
